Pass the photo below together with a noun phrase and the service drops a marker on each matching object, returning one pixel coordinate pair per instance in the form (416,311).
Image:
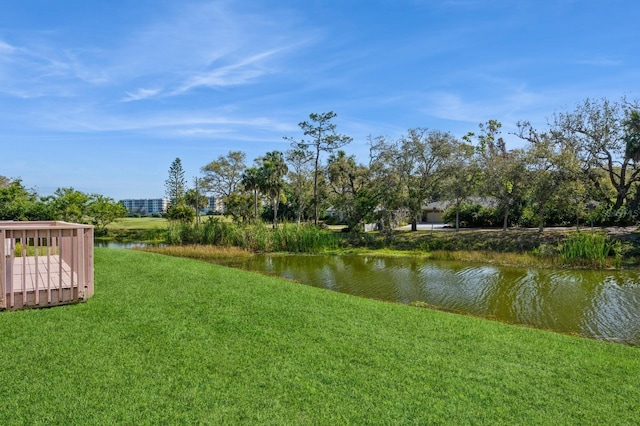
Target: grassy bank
(176,341)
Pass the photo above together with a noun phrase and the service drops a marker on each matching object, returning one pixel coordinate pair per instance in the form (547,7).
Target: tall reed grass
(588,248)
(256,237)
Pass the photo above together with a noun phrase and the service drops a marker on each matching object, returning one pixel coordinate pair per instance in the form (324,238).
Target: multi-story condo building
(149,206)
(146,206)
(215,205)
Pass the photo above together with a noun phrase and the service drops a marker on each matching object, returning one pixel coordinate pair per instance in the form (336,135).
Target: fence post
(3,269)
(88,259)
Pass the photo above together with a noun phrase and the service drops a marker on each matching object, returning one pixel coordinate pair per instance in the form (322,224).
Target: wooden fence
(45,264)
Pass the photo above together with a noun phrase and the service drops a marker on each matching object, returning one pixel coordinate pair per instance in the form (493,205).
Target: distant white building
(149,206)
(146,206)
(216,205)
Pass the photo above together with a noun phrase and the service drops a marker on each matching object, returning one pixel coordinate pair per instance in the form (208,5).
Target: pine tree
(175,183)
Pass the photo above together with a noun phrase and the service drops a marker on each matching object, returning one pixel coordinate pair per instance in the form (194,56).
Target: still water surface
(603,305)
(114,244)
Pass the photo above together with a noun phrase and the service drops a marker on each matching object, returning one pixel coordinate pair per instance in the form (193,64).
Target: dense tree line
(585,165)
(67,204)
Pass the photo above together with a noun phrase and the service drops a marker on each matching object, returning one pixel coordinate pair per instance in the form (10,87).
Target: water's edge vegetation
(554,248)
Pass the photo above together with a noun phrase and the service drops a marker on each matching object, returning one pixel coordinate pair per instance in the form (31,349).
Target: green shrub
(545,250)
(606,215)
(529,218)
(182,213)
(434,244)
(30,250)
(473,215)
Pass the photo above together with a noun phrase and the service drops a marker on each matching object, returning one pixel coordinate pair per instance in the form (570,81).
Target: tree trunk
(255,205)
(414,225)
(505,223)
(275,213)
(315,189)
(540,221)
(620,198)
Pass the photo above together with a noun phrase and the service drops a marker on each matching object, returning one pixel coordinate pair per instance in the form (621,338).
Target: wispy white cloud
(207,44)
(35,69)
(183,122)
(140,94)
(175,50)
(242,72)
(453,106)
(465,112)
(6,48)
(202,132)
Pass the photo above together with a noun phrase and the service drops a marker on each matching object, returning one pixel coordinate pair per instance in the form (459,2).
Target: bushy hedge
(606,215)
(473,215)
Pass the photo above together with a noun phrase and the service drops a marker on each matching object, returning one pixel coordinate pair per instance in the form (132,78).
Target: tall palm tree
(271,179)
(251,181)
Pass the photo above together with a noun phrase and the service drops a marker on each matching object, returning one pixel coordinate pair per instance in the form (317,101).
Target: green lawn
(177,341)
(139,223)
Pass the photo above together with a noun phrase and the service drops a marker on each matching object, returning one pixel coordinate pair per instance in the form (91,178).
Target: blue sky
(103,95)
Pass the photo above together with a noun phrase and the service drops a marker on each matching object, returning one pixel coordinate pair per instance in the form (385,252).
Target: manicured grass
(177,341)
(139,223)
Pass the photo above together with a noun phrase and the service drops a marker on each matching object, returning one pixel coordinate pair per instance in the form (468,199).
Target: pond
(604,305)
(119,245)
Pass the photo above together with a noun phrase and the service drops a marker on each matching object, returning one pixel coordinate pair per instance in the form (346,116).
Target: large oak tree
(605,136)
